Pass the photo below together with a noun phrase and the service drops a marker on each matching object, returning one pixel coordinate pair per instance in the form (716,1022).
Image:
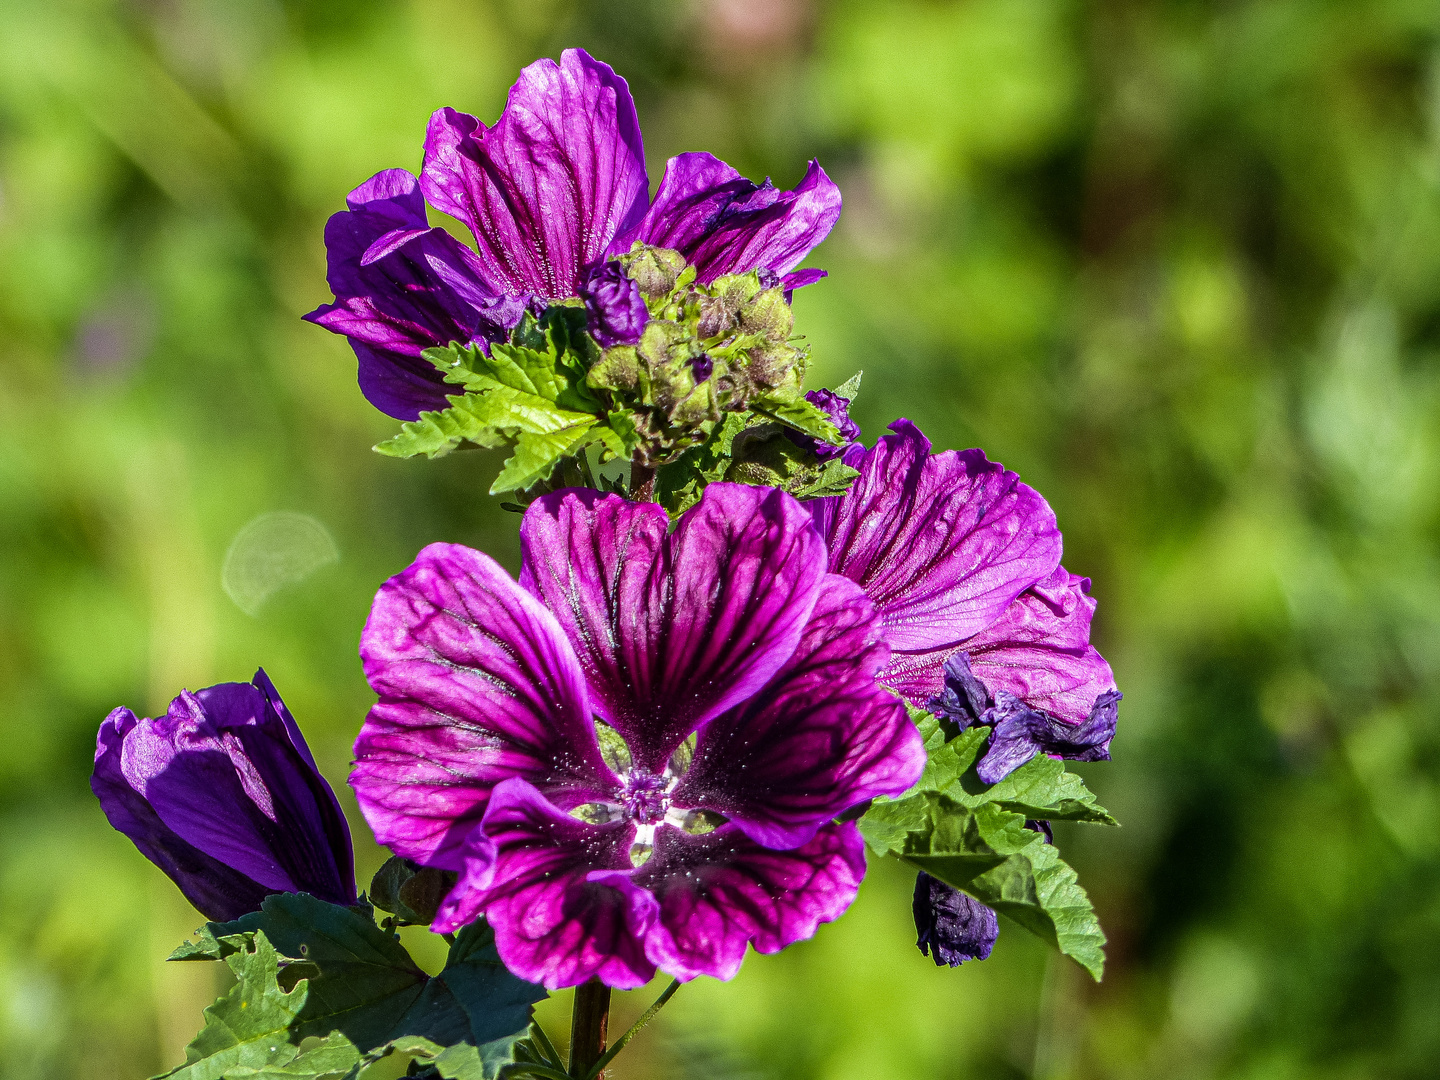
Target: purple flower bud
(702,367)
(616,311)
(837,409)
(224,796)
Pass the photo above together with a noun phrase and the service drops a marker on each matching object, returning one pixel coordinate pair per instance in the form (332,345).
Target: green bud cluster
(707,350)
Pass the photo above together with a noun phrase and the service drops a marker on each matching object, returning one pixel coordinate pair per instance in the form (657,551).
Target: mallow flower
(962,562)
(636,755)
(554,189)
(223,795)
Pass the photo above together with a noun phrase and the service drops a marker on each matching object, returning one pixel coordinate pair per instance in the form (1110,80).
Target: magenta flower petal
(477,684)
(721,891)
(395,283)
(725,224)
(548,188)
(1039,650)
(824,737)
(554,922)
(942,544)
(672,630)
(223,795)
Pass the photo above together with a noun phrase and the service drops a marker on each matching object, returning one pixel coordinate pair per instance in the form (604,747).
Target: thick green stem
(589,1024)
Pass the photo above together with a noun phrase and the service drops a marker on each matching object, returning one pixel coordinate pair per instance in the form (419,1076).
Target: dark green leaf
(363,982)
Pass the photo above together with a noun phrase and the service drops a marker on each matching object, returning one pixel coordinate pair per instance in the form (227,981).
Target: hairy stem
(589,1024)
(642,481)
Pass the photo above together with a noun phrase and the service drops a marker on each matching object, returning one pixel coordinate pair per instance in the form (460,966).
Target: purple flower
(402,287)
(555,187)
(950,926)
(615,310)
(224,796)
(635,756)
(959,556)
(837,409)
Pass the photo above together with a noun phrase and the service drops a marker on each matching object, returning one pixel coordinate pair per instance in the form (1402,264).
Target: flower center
(646,797)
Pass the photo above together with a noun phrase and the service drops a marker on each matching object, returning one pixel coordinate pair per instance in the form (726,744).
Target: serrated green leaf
(462,1061)
(490,419)
(801,415)
(1037,889)
(364,984)
(834,478)
(850,388)
(331,1058)
(973,837)
(536,454)
(248,1028)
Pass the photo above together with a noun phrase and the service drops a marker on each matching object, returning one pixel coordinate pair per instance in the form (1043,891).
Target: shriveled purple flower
(959,556)
(557,186)
(615,311)
(224,796)
(1019,732)
(951,927)
(837,408)
(636,755)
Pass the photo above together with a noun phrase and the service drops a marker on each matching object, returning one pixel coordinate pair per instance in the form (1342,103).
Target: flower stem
(598,1071)
(642,481)
(589,1024)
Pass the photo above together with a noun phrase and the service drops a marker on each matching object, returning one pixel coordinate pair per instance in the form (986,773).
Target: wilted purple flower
(224,796)
(635,756)
(951,927)
(615,310)
(837,409)
(555,187)
(1018,731)
(959,556)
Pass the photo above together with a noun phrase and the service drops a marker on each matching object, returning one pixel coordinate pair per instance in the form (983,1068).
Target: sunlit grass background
(1176,263)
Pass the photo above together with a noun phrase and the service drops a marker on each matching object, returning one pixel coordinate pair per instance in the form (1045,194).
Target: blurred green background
(1176,263)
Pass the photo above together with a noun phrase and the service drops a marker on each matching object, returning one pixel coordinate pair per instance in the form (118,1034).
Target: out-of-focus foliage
(1177,263)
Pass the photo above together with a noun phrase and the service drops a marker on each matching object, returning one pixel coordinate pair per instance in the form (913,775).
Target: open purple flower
(960,557)
(555,187)
(635,756)
(224,796)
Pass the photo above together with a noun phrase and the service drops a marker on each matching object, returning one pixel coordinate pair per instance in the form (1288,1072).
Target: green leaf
(536,454)
(834,478)
(490,418)
(973,837)
(329,1059)
(850,388)
(247,1032)
(1037,889)
(363,982)
(801,415)
(463,1061)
